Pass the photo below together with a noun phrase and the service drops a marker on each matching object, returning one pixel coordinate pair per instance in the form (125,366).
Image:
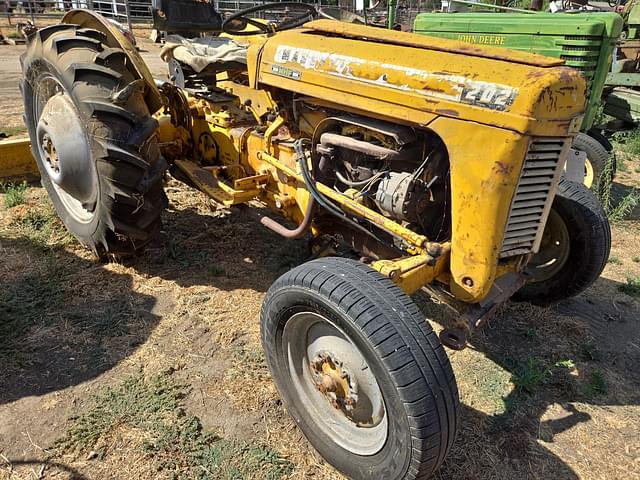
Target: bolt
(467,281)
(433,249)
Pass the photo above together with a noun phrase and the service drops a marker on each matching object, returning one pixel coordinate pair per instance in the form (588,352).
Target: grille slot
(536,188)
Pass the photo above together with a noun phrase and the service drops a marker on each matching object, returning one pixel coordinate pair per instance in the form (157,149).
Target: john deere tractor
(436,163)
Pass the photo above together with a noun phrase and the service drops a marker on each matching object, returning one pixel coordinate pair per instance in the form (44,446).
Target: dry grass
(541,389)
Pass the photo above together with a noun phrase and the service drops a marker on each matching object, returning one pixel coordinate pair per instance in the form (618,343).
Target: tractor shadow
(225,248)
(582,352)
(64,320)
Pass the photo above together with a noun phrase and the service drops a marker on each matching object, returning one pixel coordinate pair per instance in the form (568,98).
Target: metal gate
(130,12)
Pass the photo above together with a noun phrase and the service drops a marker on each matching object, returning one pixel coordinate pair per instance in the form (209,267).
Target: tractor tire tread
(127,157)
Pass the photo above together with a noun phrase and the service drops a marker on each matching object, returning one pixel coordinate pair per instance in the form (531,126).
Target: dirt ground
(153,368)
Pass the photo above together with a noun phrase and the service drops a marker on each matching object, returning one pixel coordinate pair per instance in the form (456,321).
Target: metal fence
(131,12)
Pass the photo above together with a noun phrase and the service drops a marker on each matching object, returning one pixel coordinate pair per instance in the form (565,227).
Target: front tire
(360,370)
(574,250)
(93,138)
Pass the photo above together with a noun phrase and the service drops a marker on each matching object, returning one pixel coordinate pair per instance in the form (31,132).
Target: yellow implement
(16,161)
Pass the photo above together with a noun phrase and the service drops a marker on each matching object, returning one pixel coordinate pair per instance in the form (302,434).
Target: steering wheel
(237,23)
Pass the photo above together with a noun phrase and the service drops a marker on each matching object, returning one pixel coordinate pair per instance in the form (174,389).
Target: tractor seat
(205,53)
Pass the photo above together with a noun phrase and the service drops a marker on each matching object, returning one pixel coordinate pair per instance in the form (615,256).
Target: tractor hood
(413,79)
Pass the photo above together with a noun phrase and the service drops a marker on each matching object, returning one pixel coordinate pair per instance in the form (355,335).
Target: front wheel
(574,249)
(359,370)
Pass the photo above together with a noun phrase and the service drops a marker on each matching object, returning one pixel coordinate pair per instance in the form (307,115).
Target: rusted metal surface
(477,314)
(376,151)
(332,379)
(215,188)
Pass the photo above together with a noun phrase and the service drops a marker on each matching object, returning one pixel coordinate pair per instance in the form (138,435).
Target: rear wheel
(597,157)
(93,138)
(359,370)
(574,249)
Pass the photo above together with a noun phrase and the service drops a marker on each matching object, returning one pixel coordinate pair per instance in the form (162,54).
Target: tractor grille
(583,53)
(531,203)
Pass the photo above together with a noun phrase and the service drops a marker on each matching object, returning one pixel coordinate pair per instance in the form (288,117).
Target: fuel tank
(413,79)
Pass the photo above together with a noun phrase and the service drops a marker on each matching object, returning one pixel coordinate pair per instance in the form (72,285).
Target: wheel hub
(64,149)
(50,154)
(332,379)
(554,249)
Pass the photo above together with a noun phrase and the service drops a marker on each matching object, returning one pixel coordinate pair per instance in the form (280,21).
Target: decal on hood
(451,87)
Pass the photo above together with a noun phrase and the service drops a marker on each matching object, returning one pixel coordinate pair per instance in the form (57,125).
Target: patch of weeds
(596,385)
(529,375)
(632,287)
(615,260)
(215,270)
(624,207)
(604,183)
(621,164)
(590,351)
(43,227)
(636,259)
(174,440)
(14,194)
(184,257)
(629,142)
(568,364)
(599,117)
(616,213)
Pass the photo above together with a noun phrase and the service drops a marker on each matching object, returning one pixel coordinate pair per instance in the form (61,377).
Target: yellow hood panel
(418,83)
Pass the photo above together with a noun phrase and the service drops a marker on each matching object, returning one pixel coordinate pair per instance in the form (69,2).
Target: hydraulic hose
(310,184)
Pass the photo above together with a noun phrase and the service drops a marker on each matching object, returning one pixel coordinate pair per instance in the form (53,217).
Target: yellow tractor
(438,164)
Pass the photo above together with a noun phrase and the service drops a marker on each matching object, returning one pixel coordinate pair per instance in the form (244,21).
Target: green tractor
(586,41)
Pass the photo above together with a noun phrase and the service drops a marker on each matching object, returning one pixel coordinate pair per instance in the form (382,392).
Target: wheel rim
(554,249)
(335,384)
(589,175)
(63,149)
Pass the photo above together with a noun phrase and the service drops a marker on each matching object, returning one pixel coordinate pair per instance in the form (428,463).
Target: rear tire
(575,247)
(385,354)
(597,157)
(110,198)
